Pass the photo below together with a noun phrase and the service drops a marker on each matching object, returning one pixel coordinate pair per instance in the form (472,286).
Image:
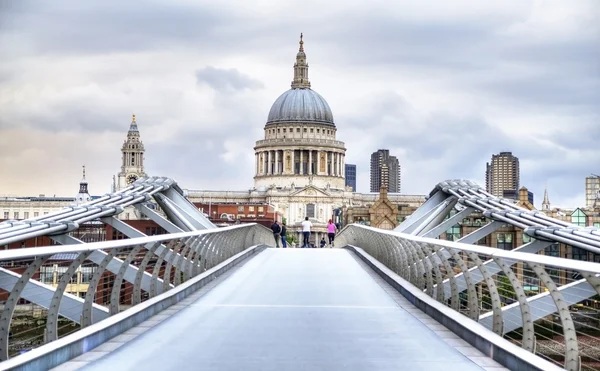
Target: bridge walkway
(290,309)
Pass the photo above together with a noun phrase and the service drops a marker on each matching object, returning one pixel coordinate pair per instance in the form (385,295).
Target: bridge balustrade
(547,305)
(51,292)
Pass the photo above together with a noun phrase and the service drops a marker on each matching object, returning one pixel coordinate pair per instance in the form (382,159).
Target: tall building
(502,174)
(592,191)
(385,171)
(300,168)
(350,172)
(132,158)
(299,146)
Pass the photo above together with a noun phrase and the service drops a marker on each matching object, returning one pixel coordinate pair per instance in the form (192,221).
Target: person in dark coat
(276,228)
(283,235)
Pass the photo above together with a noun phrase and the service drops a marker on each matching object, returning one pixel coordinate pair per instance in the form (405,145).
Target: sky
(442,85)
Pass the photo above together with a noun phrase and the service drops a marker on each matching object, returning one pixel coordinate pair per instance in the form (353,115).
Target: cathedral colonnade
(299,162)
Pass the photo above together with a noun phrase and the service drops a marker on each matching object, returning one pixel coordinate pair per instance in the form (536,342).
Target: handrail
(553,261)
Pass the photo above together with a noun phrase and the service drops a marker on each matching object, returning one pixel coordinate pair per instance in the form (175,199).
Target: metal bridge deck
(291,309)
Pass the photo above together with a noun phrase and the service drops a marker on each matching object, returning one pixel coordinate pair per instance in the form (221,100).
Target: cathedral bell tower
(132,159)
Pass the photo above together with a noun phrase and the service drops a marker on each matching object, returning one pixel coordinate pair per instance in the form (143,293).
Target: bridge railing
(547,305)
(50,292)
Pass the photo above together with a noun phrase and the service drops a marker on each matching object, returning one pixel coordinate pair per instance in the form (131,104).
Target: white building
(299,165)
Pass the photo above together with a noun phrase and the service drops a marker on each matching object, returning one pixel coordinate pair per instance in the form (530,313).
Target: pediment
(310,191)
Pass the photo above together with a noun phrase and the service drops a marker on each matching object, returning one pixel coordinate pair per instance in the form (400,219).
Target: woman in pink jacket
(331,229)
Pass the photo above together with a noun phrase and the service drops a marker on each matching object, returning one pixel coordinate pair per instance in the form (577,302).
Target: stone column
(343,165)
(318,162)
(268,162)
(277,162)
(293,161)
(301,170)
(335,164)
(256,164)
(310,162)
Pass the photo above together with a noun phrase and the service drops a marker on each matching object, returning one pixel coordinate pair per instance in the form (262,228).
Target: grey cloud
(226,80)
(463,57)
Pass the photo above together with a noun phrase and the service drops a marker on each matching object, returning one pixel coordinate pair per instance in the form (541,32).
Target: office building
(350,172)
(502,175)
(385,171)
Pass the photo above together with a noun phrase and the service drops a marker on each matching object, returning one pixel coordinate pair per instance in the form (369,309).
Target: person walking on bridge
(283,235)
(276,228)
(306,227)
(331,229)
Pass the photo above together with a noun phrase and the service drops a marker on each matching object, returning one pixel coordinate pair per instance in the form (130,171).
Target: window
(26,215)
(453,233)
(240,209)
(36,214)
(579,218)
(318,131)
(596,225)
(552,250)
(297,130)
(305,130)
(579,254)
(16,215)
(251,208)
(279,130)
(261,209)
(526,238)
(6,215)
(312,130)
(310,210)
(86,274)
(504,241)
(284,130)
(47,274)
(45,213)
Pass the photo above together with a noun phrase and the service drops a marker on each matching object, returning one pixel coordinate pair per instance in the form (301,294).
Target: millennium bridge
(202,297)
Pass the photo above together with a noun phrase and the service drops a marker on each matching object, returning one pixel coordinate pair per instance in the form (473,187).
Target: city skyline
(421,78)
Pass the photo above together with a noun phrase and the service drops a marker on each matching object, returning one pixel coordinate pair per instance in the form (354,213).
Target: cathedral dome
(302,105)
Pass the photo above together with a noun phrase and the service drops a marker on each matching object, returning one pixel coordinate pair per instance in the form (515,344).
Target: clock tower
(132,159)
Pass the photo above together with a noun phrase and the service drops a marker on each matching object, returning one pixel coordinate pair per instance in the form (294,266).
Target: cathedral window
(279,130)
(311,130)
(284,129)
(310,210)
(305,130)
(16,215)
(36,214)
(318,131)
(26,214)
(297,130)
(6,215)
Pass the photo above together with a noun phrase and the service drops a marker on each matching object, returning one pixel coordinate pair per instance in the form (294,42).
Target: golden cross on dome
(133,118)
(301,42)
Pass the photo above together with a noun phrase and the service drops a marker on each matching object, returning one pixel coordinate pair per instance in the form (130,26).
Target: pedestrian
(306,227)
(276,228)
(283,235)
(331,229)
(323,242)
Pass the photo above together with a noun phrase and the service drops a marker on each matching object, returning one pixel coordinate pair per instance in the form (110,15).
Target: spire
(301,69)
(83,196)
(133,128)
(546,202)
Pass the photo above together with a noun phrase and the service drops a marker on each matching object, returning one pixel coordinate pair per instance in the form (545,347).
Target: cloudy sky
(442,84)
